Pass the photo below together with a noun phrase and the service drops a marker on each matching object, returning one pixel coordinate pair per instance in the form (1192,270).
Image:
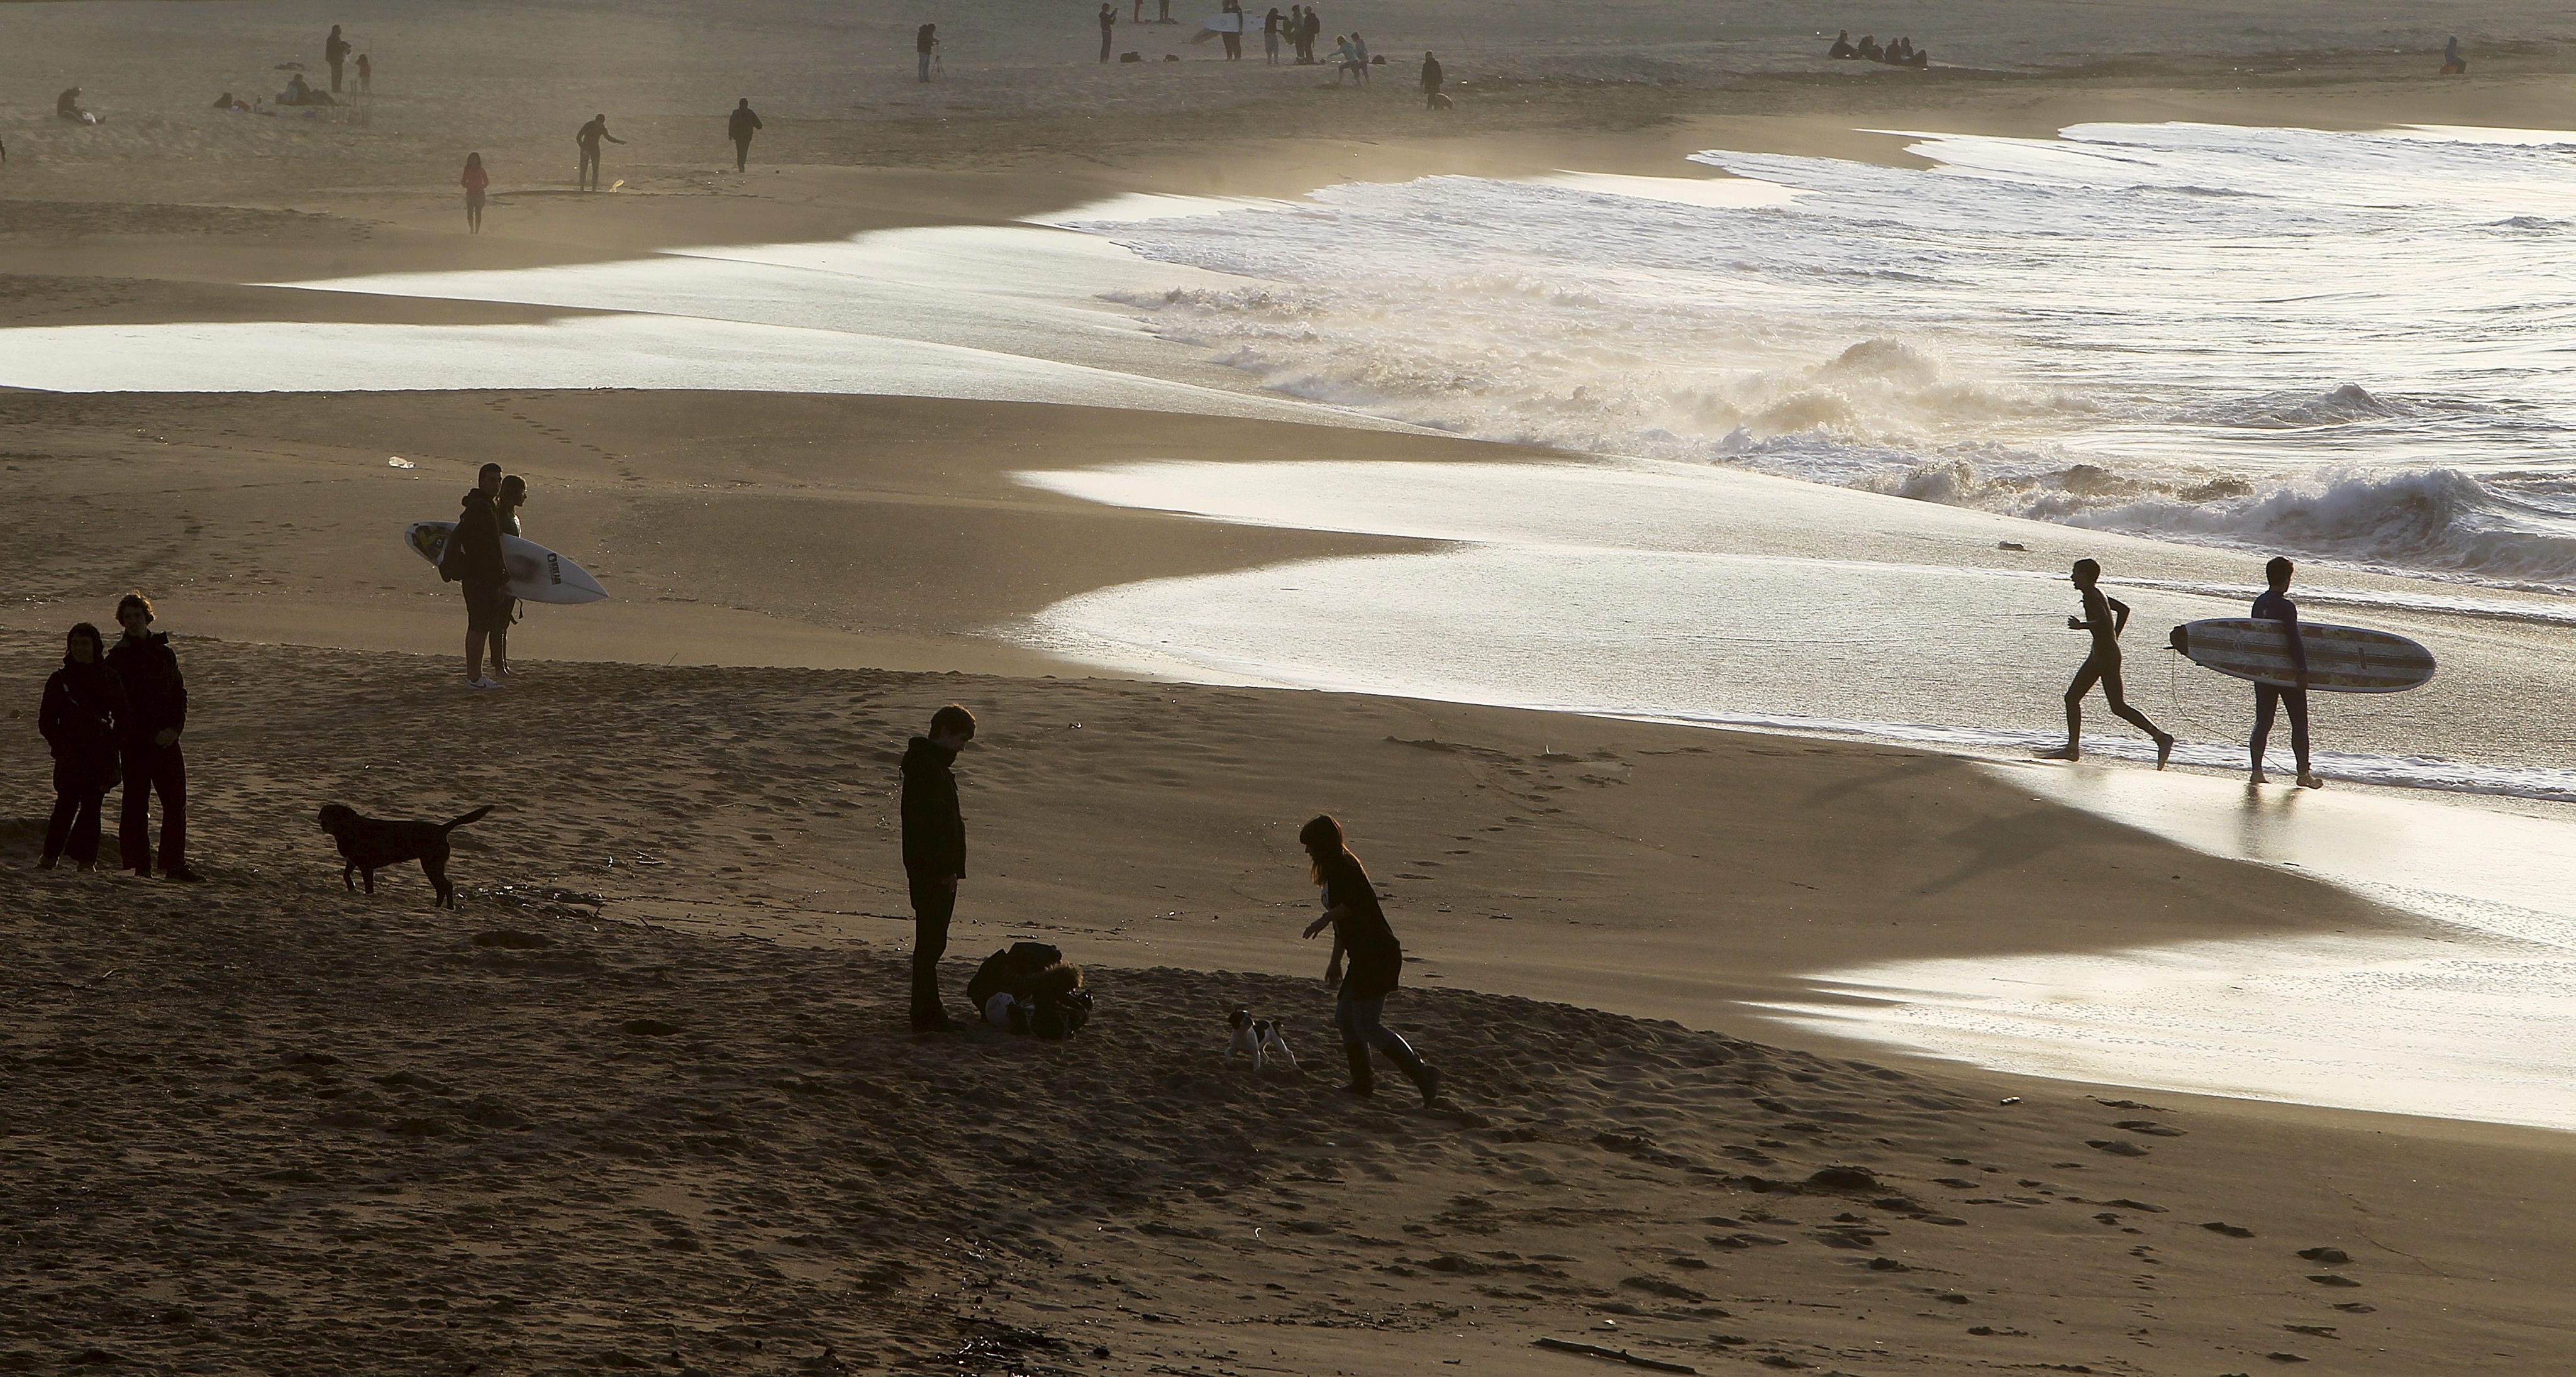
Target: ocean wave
(2297,411)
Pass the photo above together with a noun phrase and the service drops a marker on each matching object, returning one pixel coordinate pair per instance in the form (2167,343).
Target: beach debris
(2009,1099)
(399,462)
(1616,1355)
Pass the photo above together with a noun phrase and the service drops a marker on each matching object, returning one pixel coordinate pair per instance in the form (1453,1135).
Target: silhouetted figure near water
(934,853)
(1360,932)
(67,106)
(366,75)
(1313,31)
(1270,27)
(2452,63)
(335,50)
(2105,617)
(1432,76)
(588,140)
(474,181)
(1869,49)
(81,716)
(1109,23)
(925,47)
(739,127)
(1842,49)
(473,558)
(2275,606)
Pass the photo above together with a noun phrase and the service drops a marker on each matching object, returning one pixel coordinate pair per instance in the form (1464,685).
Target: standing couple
(474,558)
(110,717)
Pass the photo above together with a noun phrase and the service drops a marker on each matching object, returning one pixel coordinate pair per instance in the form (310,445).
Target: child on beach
(475,180)
(2105,617)
(1360,930)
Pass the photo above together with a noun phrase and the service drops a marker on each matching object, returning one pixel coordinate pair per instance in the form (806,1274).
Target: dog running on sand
(1259,1039)
(371,844)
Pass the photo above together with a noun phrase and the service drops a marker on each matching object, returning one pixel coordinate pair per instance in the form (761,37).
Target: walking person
(740,126)
(1360,932)
(335,50)
(81,716)
(1432,76)
(925,46)
(505,516)
(1108,22)
(2275,606)
(473,558)
(934,853)
(588,140)
(475,181)
(2105,617)
(156,702)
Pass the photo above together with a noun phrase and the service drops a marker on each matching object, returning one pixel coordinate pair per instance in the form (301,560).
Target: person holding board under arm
(2105,617)
(2275,606)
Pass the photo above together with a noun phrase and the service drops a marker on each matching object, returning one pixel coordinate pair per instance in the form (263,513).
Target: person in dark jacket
(1432,76)
(934,853)
(1108,22)
(83,710)
(473,558)
(335,50)
(156,699)
(739,127)
(925,46)
(1360,932)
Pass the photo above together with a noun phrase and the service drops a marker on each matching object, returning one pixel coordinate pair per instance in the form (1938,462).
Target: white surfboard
(2341,659)
(537,574)
(1226,23)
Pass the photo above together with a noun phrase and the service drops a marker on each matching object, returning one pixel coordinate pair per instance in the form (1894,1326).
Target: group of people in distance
(1901,53)
(2105,617)
(741,123)
(1367,961)
(111,716)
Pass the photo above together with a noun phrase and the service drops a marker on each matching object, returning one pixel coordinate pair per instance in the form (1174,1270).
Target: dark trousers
(1104,45)
(151,769)
(2267,699)
(934,902)
(741,153)
(589,178)
(335,73)
(74,825)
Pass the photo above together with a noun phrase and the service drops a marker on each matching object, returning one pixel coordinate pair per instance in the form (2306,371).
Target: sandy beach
(839,434)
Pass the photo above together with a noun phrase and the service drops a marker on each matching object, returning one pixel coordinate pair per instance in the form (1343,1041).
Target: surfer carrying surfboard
(2275,606)
(2106,617)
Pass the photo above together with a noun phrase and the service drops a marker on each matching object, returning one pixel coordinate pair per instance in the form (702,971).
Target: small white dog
(1259,1039)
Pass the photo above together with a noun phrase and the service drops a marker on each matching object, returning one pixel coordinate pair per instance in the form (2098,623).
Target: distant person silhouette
(1313,31)
(68,106)
(2105,617)
(156,699)
(473,558)
(1108,22)
(81,716)
(1360,931)
(934,852)
(588,140)
(2452,63)
(1270,25)
(1232,39)
(740,126)
(1842,46)
(1432,76)
(925,45)
(2275,606)
(335,50)
(475,181)
(1869,49)
(505,516)
(366,75)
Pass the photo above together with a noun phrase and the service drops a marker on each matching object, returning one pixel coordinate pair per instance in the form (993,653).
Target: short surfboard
(2341,659)
(537,574)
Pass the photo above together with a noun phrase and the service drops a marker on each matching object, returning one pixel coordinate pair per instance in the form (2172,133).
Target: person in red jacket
(157,711)
(476,181)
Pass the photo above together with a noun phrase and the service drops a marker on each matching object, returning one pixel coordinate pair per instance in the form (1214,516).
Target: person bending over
(2105,617)
(588,139)
(934,853)
(2275,606)
(1360,932)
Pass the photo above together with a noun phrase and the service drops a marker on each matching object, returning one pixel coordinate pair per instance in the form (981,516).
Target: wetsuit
(2276,606)
(2102,617)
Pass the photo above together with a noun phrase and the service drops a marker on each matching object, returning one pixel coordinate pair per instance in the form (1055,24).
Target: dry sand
(671,1120)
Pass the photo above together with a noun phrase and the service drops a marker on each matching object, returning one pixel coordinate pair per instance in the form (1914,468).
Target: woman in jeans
(83,708)
(1376,959)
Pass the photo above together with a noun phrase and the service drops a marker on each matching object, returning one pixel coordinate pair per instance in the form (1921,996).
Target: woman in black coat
(84,707)
(1360,930)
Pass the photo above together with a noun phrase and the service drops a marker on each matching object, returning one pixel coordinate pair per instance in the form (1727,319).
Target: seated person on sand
(67,105)
(1919,59)
(2452,63)
(1869,49)
(1902,53)
(297,93)
(1842,48)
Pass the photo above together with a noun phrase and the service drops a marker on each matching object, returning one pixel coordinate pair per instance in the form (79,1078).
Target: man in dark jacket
(335,50)
(740,127)
(473,558)
(156,712)
(934,853)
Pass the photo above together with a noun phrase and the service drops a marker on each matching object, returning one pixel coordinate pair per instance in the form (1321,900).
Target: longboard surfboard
(537,574)
(2341,659)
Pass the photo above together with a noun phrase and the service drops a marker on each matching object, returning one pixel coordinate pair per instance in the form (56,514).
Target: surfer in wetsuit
(2106,617)
(588,140)
(2275,606)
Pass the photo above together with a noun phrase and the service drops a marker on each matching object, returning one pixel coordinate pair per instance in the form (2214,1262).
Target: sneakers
(481,684)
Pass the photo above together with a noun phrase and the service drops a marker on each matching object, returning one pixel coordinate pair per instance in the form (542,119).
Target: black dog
(370,844)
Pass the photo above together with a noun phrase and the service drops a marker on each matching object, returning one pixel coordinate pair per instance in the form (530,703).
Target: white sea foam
(2338,344)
